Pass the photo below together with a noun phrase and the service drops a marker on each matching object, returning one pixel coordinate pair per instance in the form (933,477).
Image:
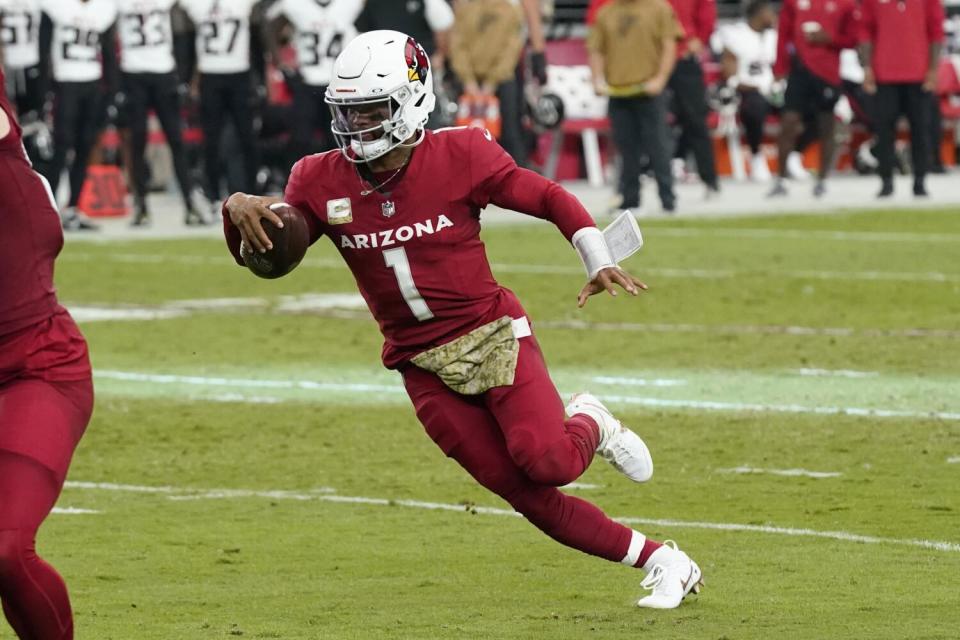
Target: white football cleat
(795,168)
(671,577)
(759,169)
(618,445)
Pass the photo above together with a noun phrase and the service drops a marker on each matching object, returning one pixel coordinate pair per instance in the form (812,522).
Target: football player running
(402,205)
(46,391)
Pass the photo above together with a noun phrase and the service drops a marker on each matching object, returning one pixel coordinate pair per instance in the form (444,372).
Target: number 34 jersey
(323,28)
(77,27)
(223,34)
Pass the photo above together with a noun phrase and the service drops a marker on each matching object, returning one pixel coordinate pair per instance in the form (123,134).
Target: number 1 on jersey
(396,259)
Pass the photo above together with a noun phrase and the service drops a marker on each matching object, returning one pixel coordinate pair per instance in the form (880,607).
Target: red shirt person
(46,392)
(810,36)
(402,206)
(900,41)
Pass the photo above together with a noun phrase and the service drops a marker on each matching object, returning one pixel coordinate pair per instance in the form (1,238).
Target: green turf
(295,564)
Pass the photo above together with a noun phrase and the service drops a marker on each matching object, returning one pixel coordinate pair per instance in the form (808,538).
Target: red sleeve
(496,178)
(706,20)
(848,34)
(868,21)
(784,38)
(935,20)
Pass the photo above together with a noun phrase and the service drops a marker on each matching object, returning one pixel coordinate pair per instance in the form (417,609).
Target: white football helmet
(381,94)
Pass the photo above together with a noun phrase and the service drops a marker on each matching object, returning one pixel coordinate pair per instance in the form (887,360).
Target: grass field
(255,473)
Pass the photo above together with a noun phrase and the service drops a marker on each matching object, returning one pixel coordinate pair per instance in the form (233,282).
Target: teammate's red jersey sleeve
(496,178)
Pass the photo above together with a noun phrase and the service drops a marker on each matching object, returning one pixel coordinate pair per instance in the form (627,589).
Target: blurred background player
(632,46)
(810,36)
(84,66)
(748,50)
(427,21)
(149,81)
(900,44)
(46,391)
(321,29)
(689,92)
(439,306)
(20,54)
(485,49)
(223,51)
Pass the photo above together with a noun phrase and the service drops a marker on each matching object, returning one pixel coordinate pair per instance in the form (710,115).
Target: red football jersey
(901,33)
(31,237)
(836,17)
(416,253)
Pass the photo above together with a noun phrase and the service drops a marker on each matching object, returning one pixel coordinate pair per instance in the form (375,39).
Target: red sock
(648,548)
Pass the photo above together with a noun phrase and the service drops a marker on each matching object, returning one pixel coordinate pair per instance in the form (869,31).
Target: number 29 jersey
(146,36)
(323,28)
(77,27)
(416,254)
(223,34)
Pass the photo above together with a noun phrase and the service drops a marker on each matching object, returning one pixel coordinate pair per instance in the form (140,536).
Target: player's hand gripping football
(606,279)
(246,213)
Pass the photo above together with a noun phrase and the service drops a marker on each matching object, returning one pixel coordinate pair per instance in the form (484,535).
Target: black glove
(538,66)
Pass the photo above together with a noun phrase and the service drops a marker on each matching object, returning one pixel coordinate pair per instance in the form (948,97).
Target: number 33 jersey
(223,34)
(146,36)
(416,254)
(77,27)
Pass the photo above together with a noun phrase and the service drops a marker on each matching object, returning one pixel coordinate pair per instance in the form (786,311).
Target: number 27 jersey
(417,254)
(223,34)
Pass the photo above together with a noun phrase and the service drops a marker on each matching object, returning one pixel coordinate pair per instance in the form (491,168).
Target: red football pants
(516,442)
(34,596)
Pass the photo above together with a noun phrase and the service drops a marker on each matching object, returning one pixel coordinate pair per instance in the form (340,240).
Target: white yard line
(953,460)
(582,486)
(806,234)
(837,373)
(73,511)
(706,405)
(749,329)
(496,511)
(572,270)
(639,382)
(790,473)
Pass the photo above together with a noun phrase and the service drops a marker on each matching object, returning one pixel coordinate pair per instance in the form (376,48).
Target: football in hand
(289,244)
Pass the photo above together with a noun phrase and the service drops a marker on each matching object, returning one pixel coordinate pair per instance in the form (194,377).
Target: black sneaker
(779,189)
(141,216)
(920,190)
(820,189)
(886,190)
(73,221)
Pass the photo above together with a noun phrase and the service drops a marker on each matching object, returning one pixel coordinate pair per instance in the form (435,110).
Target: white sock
(633,551)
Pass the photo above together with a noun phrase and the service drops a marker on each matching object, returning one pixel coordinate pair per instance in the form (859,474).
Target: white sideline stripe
(188,493)
(953,460)
(840,373)
(546,269)
(845,536)
(245,382)
(89,313)
(791,473)
(72,511)
(803,234)
(781,408)
(748,329)
(710,405)
(639,382)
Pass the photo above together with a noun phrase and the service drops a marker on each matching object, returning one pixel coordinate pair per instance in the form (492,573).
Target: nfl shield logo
(388,209)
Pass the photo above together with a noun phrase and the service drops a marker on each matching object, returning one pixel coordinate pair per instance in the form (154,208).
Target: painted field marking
(812,234)
(73,511)
(706,405)
(582,486)
(549,269)
(953,460)
(845,536)
(790,473)
(639,382)
(839,373)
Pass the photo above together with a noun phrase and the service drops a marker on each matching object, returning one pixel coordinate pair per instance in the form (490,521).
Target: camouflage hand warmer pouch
(476,362)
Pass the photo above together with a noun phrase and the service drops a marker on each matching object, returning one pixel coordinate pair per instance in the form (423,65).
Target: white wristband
(594,252)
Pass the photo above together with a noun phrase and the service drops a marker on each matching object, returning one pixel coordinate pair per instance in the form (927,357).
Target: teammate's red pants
(40,425)
(516,442)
